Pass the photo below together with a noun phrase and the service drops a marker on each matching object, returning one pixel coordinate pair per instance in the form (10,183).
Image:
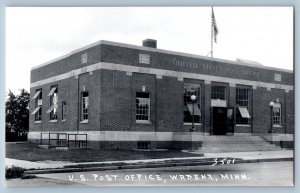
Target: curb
(203,162)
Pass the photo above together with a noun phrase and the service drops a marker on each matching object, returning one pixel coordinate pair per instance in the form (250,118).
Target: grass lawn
(31,152)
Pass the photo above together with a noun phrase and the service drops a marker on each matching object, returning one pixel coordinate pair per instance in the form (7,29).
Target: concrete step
(232,140)
(241,146)
(235,137)
(238,149)
(237,144)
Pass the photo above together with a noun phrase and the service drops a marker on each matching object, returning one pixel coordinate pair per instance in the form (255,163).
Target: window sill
(242,125)
(37,121)
(192,123)
(143,122)
(84,122)
(277,125)
(64,120)
(53,121)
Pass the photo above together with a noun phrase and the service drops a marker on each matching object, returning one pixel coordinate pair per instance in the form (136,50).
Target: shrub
(14,172)
(28,177)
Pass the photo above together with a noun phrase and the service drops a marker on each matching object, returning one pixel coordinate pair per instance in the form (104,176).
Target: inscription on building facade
(215,69)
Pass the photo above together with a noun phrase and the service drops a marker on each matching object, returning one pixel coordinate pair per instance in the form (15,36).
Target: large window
(142,107)
(192,108)
(242,102)
(218,92)
(53,94)
(84,106)
(277,114)
(37,112)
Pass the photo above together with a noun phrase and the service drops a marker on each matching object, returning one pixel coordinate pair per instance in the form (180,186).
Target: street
(246,174)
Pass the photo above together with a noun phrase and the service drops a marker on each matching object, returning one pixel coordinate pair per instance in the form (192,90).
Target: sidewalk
(255,155)
(241,157)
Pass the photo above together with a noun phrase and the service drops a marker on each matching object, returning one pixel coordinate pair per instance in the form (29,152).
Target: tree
(17,114)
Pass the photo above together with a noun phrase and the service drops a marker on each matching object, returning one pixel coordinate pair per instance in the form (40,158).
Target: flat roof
(105,42)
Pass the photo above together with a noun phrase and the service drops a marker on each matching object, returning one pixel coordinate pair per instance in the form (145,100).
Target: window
(53,94)
(277,114)
(144,58)
(192,108)
(84,58)
(63,110)
(37,112)
(218,92)
(277,77)
(242,98)
(84,106)
(144,145)
(242,102)
(142,107)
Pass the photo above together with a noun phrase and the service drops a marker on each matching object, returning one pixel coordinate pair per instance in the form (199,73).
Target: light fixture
(193,97)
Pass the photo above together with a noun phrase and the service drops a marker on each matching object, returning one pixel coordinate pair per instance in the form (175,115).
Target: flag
(214,24)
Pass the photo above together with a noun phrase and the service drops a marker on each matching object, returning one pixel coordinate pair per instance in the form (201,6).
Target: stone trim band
(151,136)
(159,73)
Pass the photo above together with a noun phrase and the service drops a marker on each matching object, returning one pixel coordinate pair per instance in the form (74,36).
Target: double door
(223,120)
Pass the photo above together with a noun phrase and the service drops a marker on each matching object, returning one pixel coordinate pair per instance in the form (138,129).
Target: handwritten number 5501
(223,161)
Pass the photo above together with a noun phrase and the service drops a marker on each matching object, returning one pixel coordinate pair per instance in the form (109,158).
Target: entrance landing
(215,144)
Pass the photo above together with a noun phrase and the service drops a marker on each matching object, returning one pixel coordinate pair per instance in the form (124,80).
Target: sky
(37,35)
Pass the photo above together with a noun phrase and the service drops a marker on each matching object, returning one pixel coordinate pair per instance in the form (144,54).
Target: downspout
(285,121)
(156,104)
(78,104)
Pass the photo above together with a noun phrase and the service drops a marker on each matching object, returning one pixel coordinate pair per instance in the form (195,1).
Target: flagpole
(212,35)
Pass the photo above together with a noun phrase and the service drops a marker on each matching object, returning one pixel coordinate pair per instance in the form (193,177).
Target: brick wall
(72,62)
(169,104)
(68,91)
(128,56)
(132,145)
(115,101)
(290,112)
(90,83)
(207,114)
(261,110)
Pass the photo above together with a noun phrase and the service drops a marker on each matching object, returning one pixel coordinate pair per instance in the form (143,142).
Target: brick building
(120,96)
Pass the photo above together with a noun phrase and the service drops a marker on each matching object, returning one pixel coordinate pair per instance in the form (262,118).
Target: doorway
(223,120)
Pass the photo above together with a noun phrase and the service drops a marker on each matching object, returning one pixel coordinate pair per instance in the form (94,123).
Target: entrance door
(223,120)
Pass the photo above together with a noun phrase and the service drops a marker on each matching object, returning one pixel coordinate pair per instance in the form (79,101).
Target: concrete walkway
(254,155)
(247,156)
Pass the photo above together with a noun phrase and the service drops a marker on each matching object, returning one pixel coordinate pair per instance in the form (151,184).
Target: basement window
(144,145)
